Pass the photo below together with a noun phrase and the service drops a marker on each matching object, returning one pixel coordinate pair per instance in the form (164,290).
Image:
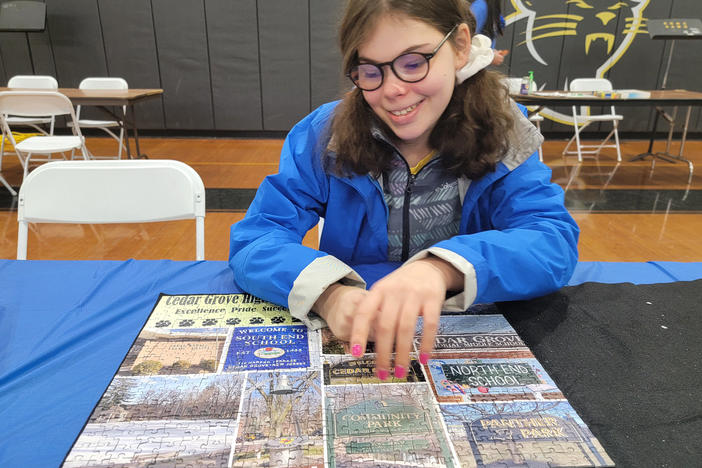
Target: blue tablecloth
(65,327)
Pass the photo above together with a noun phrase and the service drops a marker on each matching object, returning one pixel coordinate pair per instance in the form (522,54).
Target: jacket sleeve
(529,250)
(266,252)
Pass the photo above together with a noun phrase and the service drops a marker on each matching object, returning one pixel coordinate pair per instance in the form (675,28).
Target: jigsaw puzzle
(228,380)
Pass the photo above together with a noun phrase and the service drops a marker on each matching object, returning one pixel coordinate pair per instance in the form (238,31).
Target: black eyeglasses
(410,68)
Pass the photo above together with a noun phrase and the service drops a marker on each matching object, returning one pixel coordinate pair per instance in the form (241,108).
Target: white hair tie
(481,55)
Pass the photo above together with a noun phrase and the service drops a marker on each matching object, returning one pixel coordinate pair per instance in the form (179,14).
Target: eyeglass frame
(381,66)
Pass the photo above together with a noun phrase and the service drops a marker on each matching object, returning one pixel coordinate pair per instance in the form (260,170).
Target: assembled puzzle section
(228,380)
(175,351)
(176,399)
(384,425)
(347,370)
(271,347)
(491,376)
(216,310)
(500,406)
(463,333)
(156,420)
(542,433)
(281,421)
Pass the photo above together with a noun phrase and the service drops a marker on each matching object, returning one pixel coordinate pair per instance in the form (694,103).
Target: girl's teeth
(404,111)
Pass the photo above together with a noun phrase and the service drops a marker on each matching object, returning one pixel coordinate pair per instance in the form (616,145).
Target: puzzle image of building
(175,352)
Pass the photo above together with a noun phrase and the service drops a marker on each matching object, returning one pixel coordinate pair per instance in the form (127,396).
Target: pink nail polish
(400,372)
(423,358)
(356,350)
(382,374)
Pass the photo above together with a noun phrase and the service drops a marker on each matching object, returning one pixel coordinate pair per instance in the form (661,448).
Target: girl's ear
(462,45)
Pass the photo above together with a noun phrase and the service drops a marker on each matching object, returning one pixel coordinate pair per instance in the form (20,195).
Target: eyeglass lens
(410,67)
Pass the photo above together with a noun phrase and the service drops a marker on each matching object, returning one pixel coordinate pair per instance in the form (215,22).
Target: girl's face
(412,110)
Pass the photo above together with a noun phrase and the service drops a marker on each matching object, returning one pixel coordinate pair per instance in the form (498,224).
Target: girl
(426,166)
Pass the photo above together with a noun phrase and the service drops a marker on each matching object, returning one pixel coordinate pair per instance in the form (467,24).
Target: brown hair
(470,136)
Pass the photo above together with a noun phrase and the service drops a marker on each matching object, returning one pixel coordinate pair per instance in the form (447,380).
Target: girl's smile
(404,116)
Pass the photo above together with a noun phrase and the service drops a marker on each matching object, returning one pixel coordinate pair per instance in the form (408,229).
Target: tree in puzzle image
(281,420)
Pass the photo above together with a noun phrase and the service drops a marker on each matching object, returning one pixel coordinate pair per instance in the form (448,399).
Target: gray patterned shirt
(423,209)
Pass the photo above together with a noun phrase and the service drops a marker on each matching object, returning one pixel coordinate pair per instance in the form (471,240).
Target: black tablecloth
(627,357)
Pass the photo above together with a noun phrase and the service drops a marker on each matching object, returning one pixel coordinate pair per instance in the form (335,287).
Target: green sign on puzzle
(496,374)
(381,417)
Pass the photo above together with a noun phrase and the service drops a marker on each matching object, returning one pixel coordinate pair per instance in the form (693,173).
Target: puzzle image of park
(281,421)
(378,425)
(142,421)
(232,381)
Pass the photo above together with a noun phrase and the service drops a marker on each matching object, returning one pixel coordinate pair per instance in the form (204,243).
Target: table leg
(666,155)
(139,154)
(128,119)
(671,123)
(684,134)
(649,152)
(126,133)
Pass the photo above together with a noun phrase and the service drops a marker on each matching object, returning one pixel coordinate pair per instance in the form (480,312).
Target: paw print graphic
(278,319)
(209,322)
(233,321)
(255,320)
(163,323)
(186,323)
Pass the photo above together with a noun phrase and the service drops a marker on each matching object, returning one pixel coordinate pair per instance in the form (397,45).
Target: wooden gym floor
(626,212)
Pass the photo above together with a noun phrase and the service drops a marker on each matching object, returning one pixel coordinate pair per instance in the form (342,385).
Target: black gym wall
(261,65)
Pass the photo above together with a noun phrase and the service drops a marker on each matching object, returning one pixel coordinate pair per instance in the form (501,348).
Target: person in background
(426,170)
(490,23)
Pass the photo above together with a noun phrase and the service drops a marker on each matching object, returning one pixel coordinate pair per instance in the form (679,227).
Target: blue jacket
(516,238)
(479,9)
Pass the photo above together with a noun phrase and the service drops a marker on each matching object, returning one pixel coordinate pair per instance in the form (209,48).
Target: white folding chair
(585,118)
(3,181)
(37,103)
(119,191)
(30,82)
(514,85)
(105,125)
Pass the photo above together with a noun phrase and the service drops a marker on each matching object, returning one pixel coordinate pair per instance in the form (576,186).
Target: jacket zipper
(406,216)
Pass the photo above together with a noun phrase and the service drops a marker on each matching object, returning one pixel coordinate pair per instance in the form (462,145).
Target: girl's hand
(337,305)
(391,307)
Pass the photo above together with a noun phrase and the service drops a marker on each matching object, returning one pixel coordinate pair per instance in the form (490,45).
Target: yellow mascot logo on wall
(595,21)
